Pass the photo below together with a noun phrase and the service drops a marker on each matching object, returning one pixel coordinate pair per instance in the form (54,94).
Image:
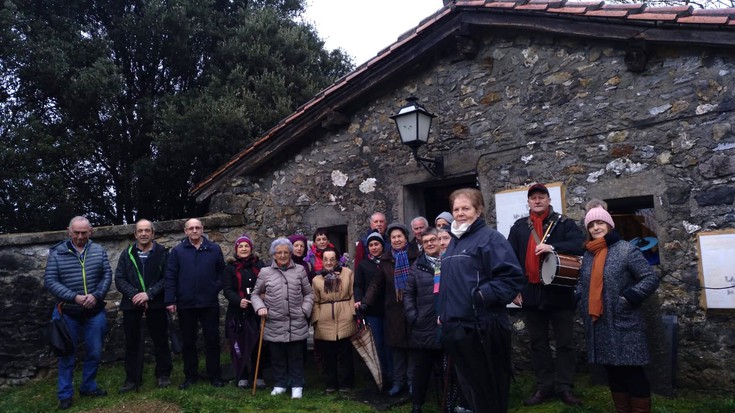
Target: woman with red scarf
(321,242)
(241,322)
(615,279)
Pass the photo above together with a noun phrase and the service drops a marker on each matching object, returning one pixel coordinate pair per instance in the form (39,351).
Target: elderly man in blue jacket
(193,281)
(78,275)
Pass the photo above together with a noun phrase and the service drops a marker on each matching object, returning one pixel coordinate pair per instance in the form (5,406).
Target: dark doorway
(635,221)
(432,198)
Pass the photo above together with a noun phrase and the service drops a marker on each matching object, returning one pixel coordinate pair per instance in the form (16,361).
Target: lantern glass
(413,123)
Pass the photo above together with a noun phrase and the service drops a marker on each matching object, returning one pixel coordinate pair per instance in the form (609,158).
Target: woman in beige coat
(333,318)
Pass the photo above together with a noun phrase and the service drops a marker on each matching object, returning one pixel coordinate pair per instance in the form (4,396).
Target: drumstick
(548,230)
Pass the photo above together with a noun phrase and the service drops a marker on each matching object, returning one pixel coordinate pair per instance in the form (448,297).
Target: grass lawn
(40,396)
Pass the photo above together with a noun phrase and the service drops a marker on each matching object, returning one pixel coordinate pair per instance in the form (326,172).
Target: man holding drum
(533,238)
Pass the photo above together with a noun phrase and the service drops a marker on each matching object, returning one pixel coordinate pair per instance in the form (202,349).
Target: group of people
(435,303)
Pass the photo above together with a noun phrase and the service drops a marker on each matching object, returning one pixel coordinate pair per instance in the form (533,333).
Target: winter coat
(127,280)
(194,276)
(365,271)
(63,276)
(480,276)
(232,289)
(618,337)
(566,238)
(383,284)
(333,315)
(289,299)
(419,302)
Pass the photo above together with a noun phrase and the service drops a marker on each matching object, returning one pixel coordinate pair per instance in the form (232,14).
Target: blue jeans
(92,330)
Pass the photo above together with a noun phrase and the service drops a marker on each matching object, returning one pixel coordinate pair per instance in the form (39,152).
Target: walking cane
(260,347)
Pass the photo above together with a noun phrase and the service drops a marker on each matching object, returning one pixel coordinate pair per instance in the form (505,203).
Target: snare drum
(560,269)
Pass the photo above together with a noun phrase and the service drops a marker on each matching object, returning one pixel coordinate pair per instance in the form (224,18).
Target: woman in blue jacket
(480,275)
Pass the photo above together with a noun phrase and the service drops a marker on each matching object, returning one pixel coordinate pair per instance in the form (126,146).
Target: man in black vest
(547,305)
(139,278)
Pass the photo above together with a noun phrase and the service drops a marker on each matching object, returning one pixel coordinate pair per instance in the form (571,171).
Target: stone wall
(25,306)
(540,108)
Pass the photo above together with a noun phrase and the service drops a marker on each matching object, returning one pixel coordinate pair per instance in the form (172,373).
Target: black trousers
(426,361)
(189,320)
(157,322)
(628,379)
(287,363)
(553,374)
(481,358)
(339,370)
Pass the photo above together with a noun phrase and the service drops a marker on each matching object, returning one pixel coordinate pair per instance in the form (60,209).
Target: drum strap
(548,229)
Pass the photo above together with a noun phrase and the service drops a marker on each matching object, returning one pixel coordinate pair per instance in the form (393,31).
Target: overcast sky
(364,27)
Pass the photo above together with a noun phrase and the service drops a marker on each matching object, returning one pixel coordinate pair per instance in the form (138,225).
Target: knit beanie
(243,238)
(446,215)
(375,236)
(598,214)
(298,237)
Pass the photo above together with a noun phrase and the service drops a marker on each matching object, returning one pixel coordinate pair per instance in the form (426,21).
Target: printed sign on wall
(716,272)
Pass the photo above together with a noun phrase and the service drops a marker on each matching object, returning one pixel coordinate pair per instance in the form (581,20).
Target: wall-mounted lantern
(414,122)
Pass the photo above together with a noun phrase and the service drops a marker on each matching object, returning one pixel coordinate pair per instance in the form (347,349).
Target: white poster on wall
(513,204)
(716,272)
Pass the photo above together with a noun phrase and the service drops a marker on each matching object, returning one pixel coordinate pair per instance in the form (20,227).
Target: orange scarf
(599,248)
(533,261)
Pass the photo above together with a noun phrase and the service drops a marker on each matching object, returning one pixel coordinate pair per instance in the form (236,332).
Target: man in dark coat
(192,284)
(139,278)
(546,305)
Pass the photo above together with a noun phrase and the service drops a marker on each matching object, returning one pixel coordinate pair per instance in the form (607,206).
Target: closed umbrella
(243,335)
(364,343)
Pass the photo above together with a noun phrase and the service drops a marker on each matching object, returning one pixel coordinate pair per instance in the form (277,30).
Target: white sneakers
(296,392)
(278,390)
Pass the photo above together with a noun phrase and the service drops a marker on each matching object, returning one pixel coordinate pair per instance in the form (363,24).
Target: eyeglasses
(432,240)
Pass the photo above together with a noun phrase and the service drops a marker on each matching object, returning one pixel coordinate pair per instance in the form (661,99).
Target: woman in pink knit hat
(614,280)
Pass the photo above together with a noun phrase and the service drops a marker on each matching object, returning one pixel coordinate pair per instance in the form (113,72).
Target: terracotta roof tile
(703,19)
(535,7)
(550,3)
(569,10)
(669,17)
(680,10)
(608,13)
(468,3)
(630,6)
(714,12)
(501,4)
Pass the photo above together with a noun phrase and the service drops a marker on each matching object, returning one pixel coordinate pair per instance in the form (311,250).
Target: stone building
(622,102)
